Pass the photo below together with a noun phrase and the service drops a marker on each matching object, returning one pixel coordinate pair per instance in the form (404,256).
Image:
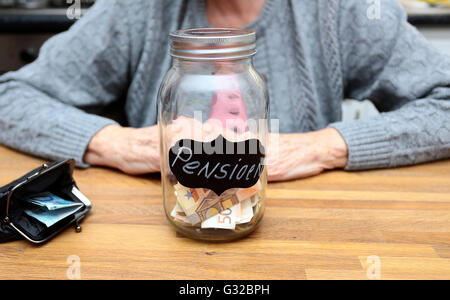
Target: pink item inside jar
(228,106)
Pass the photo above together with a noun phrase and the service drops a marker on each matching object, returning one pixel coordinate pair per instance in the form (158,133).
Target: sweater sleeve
(387,61)
(42,105)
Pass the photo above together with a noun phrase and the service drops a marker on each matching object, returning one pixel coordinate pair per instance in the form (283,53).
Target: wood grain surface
(388,224)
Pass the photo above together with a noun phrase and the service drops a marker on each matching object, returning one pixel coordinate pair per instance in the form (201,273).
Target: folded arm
(42,105)
(390,63)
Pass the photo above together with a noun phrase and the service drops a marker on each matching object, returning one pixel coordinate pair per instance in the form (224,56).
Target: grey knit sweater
(313,54)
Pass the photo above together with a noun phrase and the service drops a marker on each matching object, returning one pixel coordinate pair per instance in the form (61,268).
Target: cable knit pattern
(313,53)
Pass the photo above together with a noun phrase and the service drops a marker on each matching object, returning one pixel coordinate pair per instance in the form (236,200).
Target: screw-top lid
(213,43)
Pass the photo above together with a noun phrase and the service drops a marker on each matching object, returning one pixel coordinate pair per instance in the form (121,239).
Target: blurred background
(26,24)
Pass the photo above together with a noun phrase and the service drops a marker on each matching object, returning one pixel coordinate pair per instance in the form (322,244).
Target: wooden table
(337,225)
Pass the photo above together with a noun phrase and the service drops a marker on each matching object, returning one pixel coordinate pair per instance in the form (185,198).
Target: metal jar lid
(213,43)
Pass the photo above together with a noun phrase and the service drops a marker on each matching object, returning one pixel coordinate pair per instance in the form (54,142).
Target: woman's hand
(133,151)
(299,155)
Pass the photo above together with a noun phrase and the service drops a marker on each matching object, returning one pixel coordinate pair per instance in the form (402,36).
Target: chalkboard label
(218,165)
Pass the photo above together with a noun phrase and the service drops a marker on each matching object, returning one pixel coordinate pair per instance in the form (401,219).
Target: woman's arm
(86,67)
(390,63)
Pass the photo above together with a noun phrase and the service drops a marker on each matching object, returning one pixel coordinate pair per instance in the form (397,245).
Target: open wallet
(41,204)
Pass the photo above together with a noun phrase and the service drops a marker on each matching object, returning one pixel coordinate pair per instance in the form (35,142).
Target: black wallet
(56,178)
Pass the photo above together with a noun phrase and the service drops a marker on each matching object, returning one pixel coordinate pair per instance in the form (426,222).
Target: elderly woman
(312,53)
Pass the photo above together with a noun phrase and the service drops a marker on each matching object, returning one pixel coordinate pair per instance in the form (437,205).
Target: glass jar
(213,115)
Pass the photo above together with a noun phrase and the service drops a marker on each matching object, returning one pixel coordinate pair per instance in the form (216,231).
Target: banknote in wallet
(49,208)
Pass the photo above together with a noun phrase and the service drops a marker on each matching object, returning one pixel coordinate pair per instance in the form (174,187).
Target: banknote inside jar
(203,208)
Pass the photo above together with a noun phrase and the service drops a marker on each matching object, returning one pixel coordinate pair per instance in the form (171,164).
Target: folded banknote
(204,208)
(50,201)
(49,209)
